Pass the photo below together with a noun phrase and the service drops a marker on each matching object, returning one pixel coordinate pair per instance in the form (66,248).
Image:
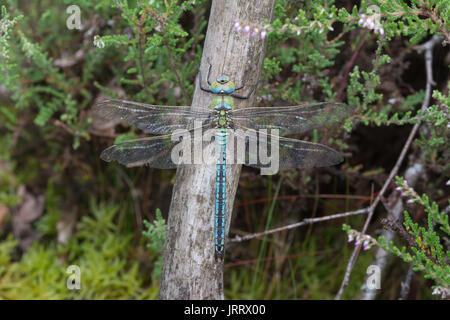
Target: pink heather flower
(398,189)
(254,32)
(358,241)
(246,29)
(350,237)
(366,245)
(237,29)
(98,42)
(263,35)
(236,23)
(371,22)
(410,201)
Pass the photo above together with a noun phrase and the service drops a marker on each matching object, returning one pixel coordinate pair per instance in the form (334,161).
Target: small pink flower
(237,29)
(350,237)
(254,32)
(366,245)
(246,29)
(263,35)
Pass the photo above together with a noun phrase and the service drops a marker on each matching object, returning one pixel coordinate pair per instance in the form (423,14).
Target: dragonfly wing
(261,150)
(152,119)
(293,119)
(161,152)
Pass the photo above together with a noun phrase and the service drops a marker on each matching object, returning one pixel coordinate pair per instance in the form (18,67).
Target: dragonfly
(224,120)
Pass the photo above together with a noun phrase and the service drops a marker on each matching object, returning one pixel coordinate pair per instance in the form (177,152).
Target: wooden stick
(189,269)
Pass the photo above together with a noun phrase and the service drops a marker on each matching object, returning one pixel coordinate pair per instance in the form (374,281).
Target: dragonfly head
(223,79)
(223,85)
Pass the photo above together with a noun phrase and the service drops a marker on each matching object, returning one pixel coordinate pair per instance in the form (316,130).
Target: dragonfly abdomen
(219,221)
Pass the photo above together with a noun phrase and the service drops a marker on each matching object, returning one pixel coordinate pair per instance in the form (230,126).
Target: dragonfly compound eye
(222,79)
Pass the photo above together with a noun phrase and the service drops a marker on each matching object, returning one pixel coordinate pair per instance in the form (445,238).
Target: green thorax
(222,104)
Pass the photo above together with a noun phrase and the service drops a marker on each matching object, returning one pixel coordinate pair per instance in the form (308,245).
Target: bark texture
(189,268)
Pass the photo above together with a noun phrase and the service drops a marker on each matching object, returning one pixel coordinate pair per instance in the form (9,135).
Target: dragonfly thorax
(222,105)
(222,85)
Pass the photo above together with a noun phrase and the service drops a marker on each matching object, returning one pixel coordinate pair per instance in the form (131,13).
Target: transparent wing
(262,149)
(152,119)
(162,152)
(293,119)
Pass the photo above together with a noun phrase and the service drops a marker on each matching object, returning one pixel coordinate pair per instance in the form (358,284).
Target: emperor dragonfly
(157,152)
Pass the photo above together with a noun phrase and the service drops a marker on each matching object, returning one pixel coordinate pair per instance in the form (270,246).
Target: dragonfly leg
(243,80)
(209,71)
(200,78)
(249,93)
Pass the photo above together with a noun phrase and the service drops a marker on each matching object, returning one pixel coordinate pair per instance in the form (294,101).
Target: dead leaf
(101,126)
(66,226)
(3,213)
(28,210)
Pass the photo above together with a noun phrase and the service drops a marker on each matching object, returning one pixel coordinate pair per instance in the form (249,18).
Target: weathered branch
(302,223)
(395,209)
(189,268)
(406,285)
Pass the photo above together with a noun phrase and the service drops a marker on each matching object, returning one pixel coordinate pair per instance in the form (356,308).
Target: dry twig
(300,224)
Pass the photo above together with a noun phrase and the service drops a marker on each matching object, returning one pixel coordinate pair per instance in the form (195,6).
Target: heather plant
(425,246)
(149,51)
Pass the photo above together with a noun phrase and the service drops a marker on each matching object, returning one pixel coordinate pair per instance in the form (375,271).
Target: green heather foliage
(156,234)
(149,51)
